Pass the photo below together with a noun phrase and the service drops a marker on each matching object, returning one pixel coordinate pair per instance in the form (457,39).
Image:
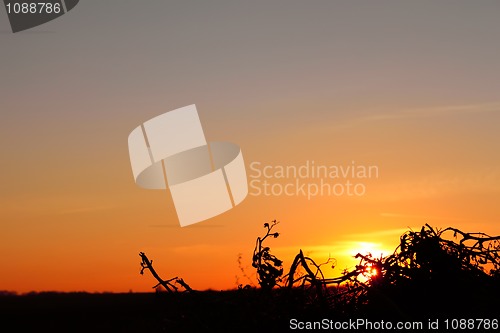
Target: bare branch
(170,287)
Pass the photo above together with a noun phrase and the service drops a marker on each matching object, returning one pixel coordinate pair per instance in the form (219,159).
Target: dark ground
(226,311)
(208,311)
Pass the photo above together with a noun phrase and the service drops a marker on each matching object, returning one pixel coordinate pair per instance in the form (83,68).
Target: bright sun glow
(370,272)
(375,249)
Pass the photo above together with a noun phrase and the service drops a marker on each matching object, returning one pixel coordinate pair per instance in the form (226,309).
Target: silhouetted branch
(184,284)
(269,268)
(148,264)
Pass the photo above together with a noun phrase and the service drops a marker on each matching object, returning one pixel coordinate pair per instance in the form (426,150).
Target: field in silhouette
(445,274)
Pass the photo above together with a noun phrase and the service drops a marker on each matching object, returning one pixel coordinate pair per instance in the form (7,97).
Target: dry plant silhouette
(269,268)
(432,273)
(166,284)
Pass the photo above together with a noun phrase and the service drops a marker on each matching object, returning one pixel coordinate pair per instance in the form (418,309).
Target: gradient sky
(410,87)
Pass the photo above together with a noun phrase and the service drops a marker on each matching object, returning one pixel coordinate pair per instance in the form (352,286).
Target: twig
(148,264)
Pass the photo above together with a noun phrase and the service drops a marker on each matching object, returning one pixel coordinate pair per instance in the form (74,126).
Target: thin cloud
(189,226)
(421,217)
(200,249)
(379,233)
(82,210)
(477,222)
(407,216)
(434,111)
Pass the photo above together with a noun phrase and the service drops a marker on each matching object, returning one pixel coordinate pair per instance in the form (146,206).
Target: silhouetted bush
(431,273)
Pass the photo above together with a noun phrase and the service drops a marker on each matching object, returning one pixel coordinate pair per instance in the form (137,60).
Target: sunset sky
(410,87)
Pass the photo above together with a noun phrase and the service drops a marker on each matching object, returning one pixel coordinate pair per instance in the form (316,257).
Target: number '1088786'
(33,8)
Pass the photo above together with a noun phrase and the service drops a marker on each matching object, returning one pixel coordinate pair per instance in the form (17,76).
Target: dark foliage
(432,273)
(269,268)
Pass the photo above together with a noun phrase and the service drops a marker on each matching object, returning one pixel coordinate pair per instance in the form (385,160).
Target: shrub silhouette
(269,268)
(432,272)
